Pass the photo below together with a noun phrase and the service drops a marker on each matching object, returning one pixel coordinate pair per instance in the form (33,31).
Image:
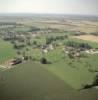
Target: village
(71,48)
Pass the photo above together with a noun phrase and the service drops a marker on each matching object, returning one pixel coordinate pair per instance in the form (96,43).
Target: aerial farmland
(48,57)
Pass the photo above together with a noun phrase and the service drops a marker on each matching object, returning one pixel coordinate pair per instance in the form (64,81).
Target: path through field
(3,67)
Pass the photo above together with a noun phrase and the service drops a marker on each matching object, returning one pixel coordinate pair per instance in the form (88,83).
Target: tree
(34,42)
(71,55)
(49,40)
(26,58)
(95,83)
(19,52)
(66,36)
(27,49)
(43,60)
(87,86)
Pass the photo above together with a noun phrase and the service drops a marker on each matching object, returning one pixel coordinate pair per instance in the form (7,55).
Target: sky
(85,7)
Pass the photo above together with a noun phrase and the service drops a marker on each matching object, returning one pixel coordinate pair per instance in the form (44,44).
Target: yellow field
(88,38)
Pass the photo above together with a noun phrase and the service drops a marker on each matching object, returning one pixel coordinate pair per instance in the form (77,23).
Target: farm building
(46,48)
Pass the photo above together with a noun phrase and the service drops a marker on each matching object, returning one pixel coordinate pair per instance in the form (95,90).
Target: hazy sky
(50,6)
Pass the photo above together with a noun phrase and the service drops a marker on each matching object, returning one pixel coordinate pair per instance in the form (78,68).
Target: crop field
(88,38)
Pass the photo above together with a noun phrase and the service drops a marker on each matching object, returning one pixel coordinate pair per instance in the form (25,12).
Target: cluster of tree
(10,38)
(71,54)
(75,54)
(49,40)
(95,33)
(95,83)
(78,45)
(19,40)
(8,23)
(55,30)
(24,54)
(19,45)
(43,60)
(34,29)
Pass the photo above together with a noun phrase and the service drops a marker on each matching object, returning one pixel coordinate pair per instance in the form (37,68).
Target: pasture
(74,72)
(6,51)
(62,66)
(31,81)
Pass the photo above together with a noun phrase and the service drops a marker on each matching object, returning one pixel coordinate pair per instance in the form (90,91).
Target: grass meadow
(31,81)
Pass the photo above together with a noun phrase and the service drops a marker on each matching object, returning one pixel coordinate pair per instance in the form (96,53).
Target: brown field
(88,38)
(66,24)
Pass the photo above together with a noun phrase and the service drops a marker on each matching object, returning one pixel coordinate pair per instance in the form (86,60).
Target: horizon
(69,7)
(66,14)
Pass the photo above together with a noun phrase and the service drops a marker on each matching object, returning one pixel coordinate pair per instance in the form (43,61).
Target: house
(91,51)
(44,49)
(87,51)
(35,34)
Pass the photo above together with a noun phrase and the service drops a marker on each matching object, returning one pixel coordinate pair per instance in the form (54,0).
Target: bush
(78,45)
(26,58)
(87,86)
(44,61)
(95,83)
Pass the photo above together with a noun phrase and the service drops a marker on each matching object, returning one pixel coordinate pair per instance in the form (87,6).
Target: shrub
(43,61)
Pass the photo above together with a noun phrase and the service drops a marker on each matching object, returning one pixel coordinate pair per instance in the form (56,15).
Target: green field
(31,81)
(61,77)
(6,51)
(74,72)
(77,73)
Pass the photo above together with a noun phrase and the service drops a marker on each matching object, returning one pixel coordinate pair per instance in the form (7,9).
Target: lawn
(31,81)
(6,51)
